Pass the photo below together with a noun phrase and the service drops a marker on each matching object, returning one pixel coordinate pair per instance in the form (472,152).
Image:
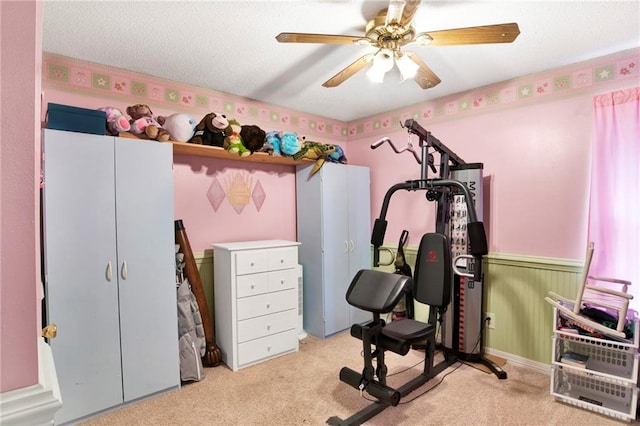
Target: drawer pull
(282,282)
(252,286)
(268,326)
(281,260)
(251,264)
(268,306)
(269,348)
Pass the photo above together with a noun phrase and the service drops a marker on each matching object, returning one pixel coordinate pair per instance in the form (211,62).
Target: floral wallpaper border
(573,80)
(576,79)
(79,76)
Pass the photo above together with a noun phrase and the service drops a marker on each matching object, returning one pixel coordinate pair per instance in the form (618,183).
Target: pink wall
(20,56)
(536,163)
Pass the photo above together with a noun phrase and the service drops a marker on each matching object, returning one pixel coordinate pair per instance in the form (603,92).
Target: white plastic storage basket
(593,393)
(607,384)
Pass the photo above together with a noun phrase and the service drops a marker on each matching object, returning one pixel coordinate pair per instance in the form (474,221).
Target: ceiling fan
(392,29)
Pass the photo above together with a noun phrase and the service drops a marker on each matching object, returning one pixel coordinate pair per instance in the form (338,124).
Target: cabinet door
(335,245)
(146,267)
(359,217)
(81,292)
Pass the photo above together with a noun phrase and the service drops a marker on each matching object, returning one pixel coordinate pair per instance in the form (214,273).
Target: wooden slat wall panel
(204,263)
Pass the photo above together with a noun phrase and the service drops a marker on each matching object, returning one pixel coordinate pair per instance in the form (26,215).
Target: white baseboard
(520,361)
(36,404)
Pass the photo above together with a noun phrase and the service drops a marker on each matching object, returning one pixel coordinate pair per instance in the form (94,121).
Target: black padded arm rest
(377,291)
(477,239)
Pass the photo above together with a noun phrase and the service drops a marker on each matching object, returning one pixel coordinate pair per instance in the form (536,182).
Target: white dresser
(256,300)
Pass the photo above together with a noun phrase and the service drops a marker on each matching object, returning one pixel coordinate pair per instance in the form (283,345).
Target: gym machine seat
(378,292)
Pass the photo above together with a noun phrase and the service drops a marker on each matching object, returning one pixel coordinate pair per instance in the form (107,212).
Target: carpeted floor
(303,389)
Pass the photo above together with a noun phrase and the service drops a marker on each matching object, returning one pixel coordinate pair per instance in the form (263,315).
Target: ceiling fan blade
(424,76)
(349,71)
(409,11)
(500,33)
(318,38)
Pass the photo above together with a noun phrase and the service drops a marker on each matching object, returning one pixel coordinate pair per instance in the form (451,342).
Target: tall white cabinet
(334,226)
(110,268)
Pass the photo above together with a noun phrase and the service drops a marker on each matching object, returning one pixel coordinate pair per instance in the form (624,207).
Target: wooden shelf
(183,148)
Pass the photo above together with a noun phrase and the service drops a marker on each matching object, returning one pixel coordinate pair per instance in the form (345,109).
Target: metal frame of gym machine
(462,327)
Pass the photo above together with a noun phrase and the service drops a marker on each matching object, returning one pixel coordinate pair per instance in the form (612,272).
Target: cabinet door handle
(109,271)
(123,271)
(352,245)
(346,246)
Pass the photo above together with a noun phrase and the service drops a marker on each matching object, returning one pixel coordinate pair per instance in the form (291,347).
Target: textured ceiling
(230,46)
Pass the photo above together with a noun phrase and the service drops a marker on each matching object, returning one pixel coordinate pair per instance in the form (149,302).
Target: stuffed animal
(272,143)
(289,143)
(337,156)
(233,143)
(180,126)
(142,122)
(315,151)
(116,121)
(253,137)
(211,130)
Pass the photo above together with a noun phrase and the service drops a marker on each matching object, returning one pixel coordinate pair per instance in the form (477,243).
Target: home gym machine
(457,190)
(448,278)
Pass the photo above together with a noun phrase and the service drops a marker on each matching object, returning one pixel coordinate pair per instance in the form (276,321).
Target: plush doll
(289,143)
(180,126)
(116,121)
(142,122)
(337,156)
(211,130)
(253,137)
(315,151)
(233,143)
(272,143)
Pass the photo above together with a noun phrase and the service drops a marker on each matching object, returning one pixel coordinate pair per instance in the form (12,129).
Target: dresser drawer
(252,261)
(264,304)
(265,347)
(283,280)
(252,284)
(255,328)
(283,258)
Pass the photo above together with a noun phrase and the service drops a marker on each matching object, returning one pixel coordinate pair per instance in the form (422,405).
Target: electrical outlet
(490,320)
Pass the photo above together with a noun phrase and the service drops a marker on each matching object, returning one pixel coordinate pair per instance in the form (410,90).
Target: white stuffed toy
(180,126)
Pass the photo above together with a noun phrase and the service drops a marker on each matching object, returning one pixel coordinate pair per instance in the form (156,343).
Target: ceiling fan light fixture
(423,39)
(375,75)
(383,60)
(407,67)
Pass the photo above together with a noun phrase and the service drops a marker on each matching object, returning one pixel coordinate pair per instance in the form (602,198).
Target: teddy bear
(233,143)
(142,122)
(180,126)
(289,143)
(116,121)
(253,137)
(272,143)
(211,130)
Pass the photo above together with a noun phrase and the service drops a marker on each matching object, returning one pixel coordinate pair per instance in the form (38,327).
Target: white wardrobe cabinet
(110,267)
(333,218)
(256,300)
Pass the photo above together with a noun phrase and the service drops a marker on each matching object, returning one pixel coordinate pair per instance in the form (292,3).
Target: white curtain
(614,208)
